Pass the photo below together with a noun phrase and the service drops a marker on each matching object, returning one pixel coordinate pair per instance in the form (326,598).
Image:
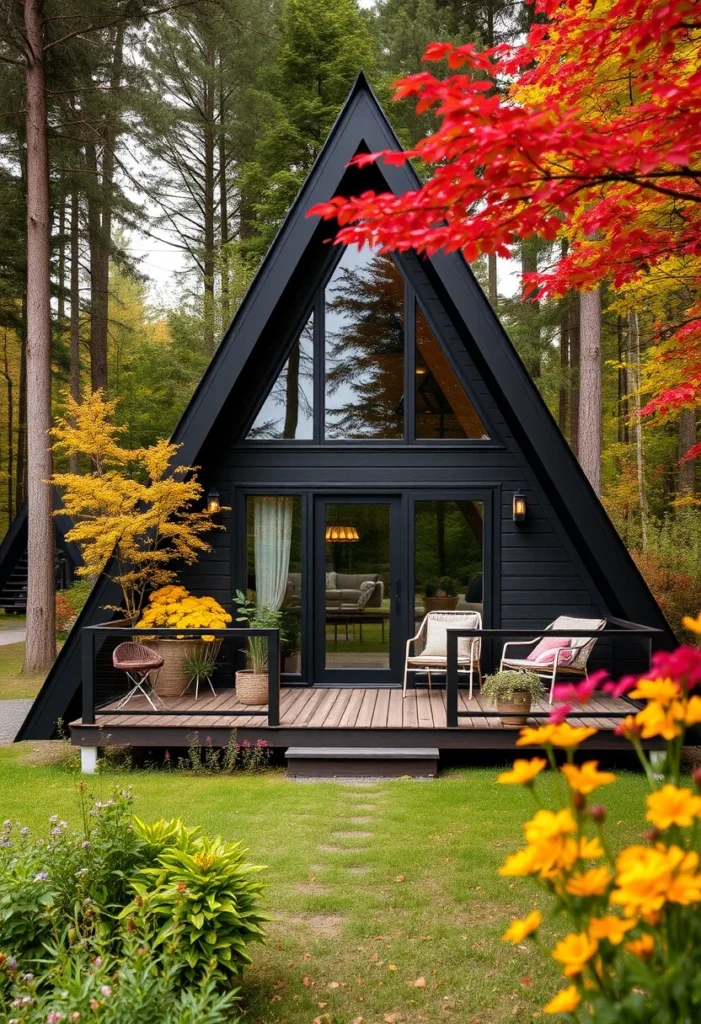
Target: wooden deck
(340,715)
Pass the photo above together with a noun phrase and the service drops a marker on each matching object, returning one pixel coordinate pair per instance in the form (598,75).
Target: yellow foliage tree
(134,514)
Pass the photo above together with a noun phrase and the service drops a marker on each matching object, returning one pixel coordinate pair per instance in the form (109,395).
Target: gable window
(288,411)
(364,348)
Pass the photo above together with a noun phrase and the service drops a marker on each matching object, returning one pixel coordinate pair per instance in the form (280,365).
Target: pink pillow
(544,652)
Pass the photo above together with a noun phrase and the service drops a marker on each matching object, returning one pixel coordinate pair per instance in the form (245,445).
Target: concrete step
(361,762)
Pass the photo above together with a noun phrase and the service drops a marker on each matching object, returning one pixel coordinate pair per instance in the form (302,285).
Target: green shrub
(78,985)
(201,902)
(503,685)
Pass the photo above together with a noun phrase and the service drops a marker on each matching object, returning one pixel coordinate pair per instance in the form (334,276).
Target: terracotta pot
(251,687)
(173,677)
(520,702)
(440,604)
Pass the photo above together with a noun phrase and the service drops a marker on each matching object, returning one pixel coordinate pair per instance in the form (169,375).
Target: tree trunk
(292,392)
(208,204)
(590,387)
(563,396)
(575,347)
(40,649)
(687,439)
(99,275)
(75,312)
(529,265)
(62,264)
(492,280)
(21,460)
(634,361)
(223,206)
(10,431)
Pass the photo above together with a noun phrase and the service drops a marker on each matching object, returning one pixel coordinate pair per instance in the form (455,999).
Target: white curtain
(272,528)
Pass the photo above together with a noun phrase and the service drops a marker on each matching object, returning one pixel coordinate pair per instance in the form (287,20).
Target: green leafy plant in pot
(513,694)
(441,595)
(252,682)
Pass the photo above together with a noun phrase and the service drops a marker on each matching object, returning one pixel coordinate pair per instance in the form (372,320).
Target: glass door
(358,589)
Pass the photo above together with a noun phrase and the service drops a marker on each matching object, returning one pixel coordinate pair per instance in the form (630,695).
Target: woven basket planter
(440,604)
(251,687)
(173,677)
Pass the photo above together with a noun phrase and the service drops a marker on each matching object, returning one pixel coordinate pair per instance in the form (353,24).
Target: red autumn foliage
(617,166)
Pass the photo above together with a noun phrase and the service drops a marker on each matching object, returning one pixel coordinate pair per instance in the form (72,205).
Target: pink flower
(618,689)
(684,665)
(559,714)
(583,690)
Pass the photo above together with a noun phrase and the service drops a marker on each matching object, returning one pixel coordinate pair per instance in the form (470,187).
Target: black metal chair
(138,662)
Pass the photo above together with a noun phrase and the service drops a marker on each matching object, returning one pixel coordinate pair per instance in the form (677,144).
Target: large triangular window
(288,411)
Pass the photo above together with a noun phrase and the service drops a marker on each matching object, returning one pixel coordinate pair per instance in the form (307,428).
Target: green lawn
(12,682)
(12,621)
(374,887)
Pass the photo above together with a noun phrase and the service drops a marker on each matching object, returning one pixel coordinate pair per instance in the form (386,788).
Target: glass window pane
(364,348)
(288,411)
(274,565)
(448,539)
(358,591)
(443,408)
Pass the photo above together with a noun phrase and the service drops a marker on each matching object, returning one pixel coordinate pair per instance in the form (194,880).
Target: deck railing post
(274,677)
(88,646)
(451,680)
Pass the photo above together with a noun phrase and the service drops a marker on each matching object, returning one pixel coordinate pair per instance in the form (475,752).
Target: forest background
(189,127)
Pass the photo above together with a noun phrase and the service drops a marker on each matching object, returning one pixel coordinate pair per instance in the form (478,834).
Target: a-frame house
(368,417)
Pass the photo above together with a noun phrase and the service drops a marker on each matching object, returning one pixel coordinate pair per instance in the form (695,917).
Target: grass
(12,621)
(12,683)
(376,889)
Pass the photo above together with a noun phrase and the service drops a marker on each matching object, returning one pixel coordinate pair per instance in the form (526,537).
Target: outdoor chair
(138,662)
(428,651)
(564,656)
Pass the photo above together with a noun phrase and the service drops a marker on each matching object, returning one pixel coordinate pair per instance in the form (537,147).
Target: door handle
(398,594)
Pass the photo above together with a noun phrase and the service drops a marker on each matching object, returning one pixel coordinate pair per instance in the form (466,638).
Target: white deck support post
(88,760)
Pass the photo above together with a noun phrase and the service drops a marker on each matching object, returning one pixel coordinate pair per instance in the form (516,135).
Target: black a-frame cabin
(372,429)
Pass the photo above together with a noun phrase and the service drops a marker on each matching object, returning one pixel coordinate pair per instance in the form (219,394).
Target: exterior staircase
(13,596)
(362,762)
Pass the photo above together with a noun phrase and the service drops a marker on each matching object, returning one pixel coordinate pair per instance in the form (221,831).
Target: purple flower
(106,991)
(41,877)
(54,1017)
(85,844)
(97,962)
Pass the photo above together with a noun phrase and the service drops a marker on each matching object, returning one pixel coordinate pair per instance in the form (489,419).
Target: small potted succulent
(441,595)
(514,692)
(252,682)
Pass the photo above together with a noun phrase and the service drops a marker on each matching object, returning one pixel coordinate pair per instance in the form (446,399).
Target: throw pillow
(330,580)
(367,589)
(544,652)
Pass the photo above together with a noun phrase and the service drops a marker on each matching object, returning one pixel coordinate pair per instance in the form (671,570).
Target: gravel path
(12,714)
(12,636)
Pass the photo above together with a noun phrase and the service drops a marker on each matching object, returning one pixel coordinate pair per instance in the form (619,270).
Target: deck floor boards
(353,707)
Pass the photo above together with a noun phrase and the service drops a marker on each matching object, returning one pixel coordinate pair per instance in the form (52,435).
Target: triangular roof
(363,126)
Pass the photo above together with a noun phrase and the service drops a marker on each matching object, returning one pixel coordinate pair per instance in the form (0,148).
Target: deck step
(361,762)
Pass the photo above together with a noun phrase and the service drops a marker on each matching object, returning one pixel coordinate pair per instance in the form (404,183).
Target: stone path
(12,714)
(12,636)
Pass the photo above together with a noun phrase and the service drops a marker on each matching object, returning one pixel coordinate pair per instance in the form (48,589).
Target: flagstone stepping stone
(360,821)
(311,888)
(359,869)
(352,835)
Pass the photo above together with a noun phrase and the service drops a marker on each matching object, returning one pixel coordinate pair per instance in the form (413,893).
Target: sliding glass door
(358,588)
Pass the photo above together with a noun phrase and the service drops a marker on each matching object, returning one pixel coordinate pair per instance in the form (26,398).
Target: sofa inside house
(344,591)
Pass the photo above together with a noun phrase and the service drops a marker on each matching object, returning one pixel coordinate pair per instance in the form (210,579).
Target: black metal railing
(91,634)
(621,628)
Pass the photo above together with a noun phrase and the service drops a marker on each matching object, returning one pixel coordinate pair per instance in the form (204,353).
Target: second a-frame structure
(385,454)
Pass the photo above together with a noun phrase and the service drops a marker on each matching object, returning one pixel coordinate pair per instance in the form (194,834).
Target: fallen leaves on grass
(400,878)
(419,983)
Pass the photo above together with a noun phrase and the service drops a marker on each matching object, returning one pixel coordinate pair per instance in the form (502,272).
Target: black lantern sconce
(519,507)
(214,502)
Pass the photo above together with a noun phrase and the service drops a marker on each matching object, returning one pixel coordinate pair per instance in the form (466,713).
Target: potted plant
(252,682)
(513,691)
(441,595)
(175,607)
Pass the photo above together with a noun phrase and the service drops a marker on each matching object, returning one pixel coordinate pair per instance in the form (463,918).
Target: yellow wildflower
(692,711)
(649,877)
(547,825)
(593,882)
(566,735)
(659,720)
(611,928)
(672,806)
(520,863)
(590,849)
(566,1000)
(538,737)
(574,951)
(523,772)
(518,930)
(694,625)
(587,777)
(642,947)
(664,691)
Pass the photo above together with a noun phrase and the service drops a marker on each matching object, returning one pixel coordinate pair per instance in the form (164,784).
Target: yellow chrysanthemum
(522,772)
(593,882)
(586,778)
(574,952)
(672,806)
(611,928)
(519,929)
(566,1000)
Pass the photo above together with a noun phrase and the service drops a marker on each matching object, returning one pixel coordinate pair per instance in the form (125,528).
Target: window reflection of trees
(288,410)
(365,350)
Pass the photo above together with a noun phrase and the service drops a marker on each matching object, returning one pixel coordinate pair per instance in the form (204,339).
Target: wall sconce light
(519,507)
(213,502)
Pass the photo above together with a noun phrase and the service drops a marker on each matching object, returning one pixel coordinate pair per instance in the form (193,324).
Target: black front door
(359,585)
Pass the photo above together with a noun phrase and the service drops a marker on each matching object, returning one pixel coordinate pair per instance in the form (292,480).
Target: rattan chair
(553,664)
(429,646)
(138,662)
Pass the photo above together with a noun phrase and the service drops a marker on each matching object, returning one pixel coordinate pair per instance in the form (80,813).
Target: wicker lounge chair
(427,650)
(564,656)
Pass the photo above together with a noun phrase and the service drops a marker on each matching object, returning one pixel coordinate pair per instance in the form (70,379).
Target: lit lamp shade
(519,507)
(214,502)
(341,534)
